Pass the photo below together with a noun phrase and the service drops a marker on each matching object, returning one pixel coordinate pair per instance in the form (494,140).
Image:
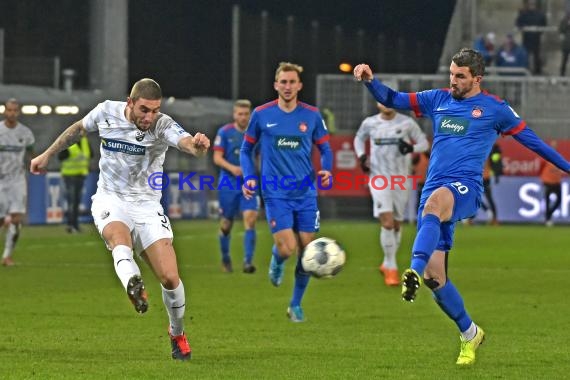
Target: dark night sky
(186,44)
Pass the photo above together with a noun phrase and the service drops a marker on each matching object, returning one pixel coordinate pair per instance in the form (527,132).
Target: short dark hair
(472,59)
(12,101)
(146,88)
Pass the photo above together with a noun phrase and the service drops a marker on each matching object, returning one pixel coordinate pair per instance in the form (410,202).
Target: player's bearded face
(461,82)
(143,112)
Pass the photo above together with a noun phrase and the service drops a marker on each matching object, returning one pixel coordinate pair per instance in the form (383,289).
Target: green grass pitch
(64,315)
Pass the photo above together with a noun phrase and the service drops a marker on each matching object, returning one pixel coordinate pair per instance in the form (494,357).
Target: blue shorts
(232,202)
(467,200)
(301,215)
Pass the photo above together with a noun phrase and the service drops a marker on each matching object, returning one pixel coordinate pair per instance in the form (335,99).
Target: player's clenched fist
(363,72)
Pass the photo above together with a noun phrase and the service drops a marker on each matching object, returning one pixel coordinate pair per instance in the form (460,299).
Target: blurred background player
(420,163)
(551,178)
(16,145)
(393,136)
(126,209)
(74,169)
(286,130)
(227,147)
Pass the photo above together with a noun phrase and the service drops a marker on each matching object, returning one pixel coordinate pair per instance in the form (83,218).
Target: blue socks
(275,253)
(301,278)
(425,243)
(225,247)
(301,282)
(249,245)
(450,301)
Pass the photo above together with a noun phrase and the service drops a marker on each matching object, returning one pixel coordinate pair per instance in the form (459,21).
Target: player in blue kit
(466,122)
(286,130)
(227,147)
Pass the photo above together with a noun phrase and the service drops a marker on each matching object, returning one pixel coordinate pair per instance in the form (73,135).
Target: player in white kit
(392,136)
(16,140)
(126,209)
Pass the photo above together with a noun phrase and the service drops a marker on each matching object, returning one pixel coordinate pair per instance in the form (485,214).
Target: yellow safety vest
(78,161)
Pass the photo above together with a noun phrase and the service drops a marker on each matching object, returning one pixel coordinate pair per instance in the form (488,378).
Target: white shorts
(387,200)
(13,196)
(145,219)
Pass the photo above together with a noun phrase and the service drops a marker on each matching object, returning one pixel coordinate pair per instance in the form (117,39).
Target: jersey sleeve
(171,131)
(253,131)
(422,103)
(220,141)
(320,133)
(421,143)
(360,138)
(90,120)
(508,121)
(30,140)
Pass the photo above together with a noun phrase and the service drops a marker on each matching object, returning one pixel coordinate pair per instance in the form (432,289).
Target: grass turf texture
(64,314)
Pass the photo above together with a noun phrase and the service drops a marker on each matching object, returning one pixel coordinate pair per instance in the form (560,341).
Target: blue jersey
(228,141)
(286,141)
(464,131)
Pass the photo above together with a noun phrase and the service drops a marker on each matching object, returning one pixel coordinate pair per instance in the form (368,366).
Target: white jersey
(128,155)
(13,145)
(385,158)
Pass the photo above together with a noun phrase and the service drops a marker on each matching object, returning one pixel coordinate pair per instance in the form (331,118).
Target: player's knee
(434,283)
(225,226)
(169,280)
(287,248)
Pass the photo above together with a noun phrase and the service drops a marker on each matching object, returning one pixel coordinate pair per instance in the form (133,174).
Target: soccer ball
(323,258)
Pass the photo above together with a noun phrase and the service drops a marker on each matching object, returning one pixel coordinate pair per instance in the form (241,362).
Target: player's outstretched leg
(137,293)
(411,282)
(276,267)
(468,347)
(181,349)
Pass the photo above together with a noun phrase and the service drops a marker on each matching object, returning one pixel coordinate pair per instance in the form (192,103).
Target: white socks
(398,235)
(469,333)
(11,238)
(175,302)
(388,243)
(125,265)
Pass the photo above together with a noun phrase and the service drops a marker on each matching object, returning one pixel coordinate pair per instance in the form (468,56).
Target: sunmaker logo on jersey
(387,141)
(123,147)
(287,142)
(454,126)
(11,148)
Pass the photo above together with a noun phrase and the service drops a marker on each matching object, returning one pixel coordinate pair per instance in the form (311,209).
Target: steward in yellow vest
(74,170)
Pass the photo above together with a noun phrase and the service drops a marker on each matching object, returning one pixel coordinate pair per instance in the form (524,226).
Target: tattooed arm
(69,137)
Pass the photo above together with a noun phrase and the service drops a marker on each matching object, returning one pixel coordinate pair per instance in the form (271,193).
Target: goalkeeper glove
(363,165)
(404,147)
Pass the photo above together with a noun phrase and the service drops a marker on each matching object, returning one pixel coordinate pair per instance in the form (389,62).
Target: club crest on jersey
(139,135)
(303,127)
(477,112)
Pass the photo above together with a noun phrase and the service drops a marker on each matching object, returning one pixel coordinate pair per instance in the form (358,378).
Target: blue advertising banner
(518,200)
